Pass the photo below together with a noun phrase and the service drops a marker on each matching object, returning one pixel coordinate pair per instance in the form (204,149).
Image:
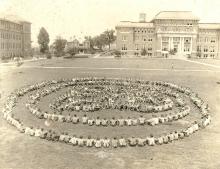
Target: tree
(43,40)
(72,51)
(91,41)
(105,38)
(99,41)
(109,37)
(59,46)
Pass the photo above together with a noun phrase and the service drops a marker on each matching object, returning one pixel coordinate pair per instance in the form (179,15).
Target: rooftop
(134,24)
(176,15)
(12,18)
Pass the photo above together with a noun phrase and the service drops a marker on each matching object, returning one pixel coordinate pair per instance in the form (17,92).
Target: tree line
(97,42)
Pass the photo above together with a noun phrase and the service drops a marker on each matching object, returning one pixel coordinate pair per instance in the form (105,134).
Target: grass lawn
(201,150)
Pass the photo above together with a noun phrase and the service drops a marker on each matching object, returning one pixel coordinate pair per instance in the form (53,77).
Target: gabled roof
(209,25)
(176,15)
(129,24)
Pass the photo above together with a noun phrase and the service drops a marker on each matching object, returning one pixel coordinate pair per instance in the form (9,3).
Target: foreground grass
(199,151)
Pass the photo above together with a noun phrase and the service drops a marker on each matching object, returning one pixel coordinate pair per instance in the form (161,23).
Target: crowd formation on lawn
(94,94)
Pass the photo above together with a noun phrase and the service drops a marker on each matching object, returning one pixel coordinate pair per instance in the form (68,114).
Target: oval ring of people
(88,95)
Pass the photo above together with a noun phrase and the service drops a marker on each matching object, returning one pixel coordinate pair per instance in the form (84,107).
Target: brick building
(178,31)
(15,37)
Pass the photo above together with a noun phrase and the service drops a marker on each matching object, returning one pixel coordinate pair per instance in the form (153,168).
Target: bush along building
(169,33)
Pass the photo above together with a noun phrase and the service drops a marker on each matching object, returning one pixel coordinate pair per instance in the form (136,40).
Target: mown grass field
(201,150)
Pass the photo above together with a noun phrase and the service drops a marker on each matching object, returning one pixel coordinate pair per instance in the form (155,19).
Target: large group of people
(121,121)
(44,88)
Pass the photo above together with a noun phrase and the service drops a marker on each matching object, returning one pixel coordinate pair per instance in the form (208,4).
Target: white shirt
(128,121)
(141,120)
(151,141)
(160,140)
(73,140)
(98,143)
(122,142)
(153,121)
(84,119)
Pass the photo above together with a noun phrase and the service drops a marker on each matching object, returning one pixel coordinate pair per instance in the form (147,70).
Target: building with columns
(15,37)
(169,31)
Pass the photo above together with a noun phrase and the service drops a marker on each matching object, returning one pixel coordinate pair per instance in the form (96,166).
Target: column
(182,44)
(191,45)
(194,46)
(170,43)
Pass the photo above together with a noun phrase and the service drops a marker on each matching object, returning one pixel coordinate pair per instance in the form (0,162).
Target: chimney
(142,17)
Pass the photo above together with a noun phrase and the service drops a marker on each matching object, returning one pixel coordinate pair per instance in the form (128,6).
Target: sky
(79,18)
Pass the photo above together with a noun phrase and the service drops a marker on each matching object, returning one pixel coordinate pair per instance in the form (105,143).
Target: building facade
(15,37)
(178,32)
(81,46)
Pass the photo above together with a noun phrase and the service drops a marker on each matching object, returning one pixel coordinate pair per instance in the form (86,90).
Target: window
(124,38)
(176,39)
(186,48)
(165,39)
(212,49)
(205,55)
(124,47)
(165,46)
(205,49)
(198,48)
(212,40)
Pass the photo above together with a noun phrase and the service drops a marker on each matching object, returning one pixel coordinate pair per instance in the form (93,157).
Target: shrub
(48,55)
(143,52)
(172,52)
(117,53)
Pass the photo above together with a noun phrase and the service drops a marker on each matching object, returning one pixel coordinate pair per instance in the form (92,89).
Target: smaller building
(81,46)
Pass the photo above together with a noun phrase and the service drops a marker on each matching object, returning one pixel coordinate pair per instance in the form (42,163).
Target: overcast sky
(68,18)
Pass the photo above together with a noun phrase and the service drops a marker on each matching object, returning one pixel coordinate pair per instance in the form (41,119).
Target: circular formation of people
(154,103)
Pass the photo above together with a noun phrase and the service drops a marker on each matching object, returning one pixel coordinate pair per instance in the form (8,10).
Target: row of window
(144,31)
(176,29)
(11,54)
(206,39)
(10,46)
(147,54)
(144,38)
(206,49)
(165,47)
(207,31)
(10,25)
(206,56)
(177,39)
(138,47)
(5,35)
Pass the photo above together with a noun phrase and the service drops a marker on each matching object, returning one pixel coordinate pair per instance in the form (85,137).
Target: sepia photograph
(109,84)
